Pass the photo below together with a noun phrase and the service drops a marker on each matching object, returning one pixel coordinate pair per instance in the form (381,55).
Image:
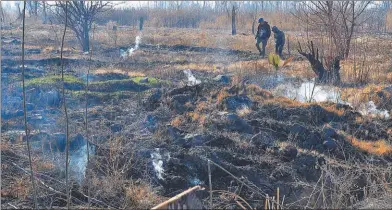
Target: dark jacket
(279,37)
(263,30)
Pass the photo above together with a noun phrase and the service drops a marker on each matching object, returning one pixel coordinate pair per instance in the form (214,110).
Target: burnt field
(158,110)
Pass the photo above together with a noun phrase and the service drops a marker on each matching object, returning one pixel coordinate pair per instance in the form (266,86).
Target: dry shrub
(40,164)
(194,116)
(199,118)
(141,196)
(178,121)
(20,187)
(4,145)
(223,93)
(379,147)
(243,111)
(202,106)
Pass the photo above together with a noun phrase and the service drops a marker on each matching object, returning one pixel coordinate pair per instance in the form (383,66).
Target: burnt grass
(272,146)
(268,142)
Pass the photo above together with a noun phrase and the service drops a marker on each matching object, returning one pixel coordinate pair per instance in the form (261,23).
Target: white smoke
(157,163)
(130,51)
(78,163)
(191,79)
(371,109)
(309,92)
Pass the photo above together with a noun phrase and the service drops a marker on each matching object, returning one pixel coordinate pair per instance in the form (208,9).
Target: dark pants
(279,48)
(264,44)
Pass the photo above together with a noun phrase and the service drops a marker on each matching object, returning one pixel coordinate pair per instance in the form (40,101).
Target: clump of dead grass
(243,111)
(199,118)
(222,94)
(20,187)
(379,147)
(331,107)
(141,196)
(178,121)
(371,92)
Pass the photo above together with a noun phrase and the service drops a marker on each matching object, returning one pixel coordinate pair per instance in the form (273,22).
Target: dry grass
(197,117)
(20,188)
(198,67)
(119,71)
(222,95)
(379,147)
(388,19)
(249,67)
(365,94)
(42,165)
(285,102)
(178,121)
(141,196)
(331,107)
(243,111)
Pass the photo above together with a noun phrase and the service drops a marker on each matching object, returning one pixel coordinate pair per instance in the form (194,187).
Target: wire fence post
(210,183)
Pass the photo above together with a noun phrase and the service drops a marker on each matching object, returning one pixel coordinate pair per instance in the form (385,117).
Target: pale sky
(118,4)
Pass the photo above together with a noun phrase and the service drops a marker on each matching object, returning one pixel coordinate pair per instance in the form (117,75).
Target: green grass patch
(70,82)
(151,81)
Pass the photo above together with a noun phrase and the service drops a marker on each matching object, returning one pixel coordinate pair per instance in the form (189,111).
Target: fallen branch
(177,197)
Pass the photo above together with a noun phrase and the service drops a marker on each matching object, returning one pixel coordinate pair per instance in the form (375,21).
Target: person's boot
(262,54)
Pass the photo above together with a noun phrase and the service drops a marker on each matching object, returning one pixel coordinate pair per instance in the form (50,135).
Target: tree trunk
(44,20)
(2,13)
(233,29)
(36,9)
(141,22)
(85,38)
(253,26)
(254,20)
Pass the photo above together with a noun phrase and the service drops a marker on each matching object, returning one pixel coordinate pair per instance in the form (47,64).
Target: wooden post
(210,183)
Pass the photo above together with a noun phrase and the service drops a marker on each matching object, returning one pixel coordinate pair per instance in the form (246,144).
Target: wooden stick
(177,197)
(210,182)
(243,207)
(277,198)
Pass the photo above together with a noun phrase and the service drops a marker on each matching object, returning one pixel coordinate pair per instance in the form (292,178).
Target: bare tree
(44,14)
(254,17)
(65,109)
(81,15)
(20,15)
(338,18)
(25,110)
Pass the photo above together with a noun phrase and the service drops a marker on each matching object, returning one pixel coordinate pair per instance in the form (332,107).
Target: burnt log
(326,75)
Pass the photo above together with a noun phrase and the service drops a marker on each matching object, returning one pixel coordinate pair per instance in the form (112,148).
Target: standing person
(262,35)
(279,40)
